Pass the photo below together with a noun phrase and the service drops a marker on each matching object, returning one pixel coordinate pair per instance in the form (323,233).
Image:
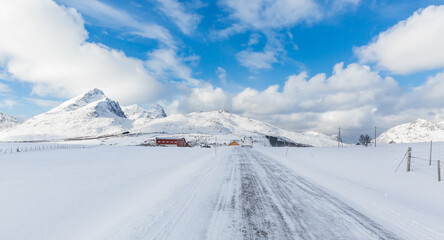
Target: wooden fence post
(430,160)
(409,158)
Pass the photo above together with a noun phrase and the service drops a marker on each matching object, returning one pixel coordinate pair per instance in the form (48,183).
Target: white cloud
(254,39)
(165,63)
(55,57)
(206,98)
(412,45)
(4,88)
(108,16)
(187,22)
(267,17)
(222,75)
(340,5)
(349,97)
(265,14)
(427,96)
(8,103)
(257,60)
(262,59)
(43,102)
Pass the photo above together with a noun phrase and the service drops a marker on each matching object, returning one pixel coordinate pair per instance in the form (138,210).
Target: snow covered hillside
(419,130)
(93,115)
(90,114)
(7,121)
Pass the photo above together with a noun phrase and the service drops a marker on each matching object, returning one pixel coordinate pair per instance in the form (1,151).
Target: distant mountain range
(93,114)
(419,130)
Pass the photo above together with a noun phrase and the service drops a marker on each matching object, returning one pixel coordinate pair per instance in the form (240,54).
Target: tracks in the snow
(245,195)
(264,200)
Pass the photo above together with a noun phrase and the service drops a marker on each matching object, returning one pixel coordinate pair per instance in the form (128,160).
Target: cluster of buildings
(181,142)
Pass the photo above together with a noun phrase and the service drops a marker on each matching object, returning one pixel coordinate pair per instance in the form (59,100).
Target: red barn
(171,142)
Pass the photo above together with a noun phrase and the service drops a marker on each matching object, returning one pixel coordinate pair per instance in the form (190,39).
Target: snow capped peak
(7,121)
(157,111)
(94,92)
(82,100)
(134,112)
(95,101)
(420,130)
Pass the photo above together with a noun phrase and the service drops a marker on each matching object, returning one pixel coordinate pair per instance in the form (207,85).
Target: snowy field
(122,192)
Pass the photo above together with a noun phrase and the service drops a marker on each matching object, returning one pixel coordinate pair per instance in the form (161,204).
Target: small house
(171,142)
(233,143)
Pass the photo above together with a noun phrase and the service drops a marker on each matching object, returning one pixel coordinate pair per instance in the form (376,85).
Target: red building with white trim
(171,142)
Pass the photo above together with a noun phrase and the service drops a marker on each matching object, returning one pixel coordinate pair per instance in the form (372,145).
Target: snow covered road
(264,200)
(258,198)
(165,193)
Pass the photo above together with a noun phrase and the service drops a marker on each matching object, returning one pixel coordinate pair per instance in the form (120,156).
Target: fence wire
(29,148)
(423,163)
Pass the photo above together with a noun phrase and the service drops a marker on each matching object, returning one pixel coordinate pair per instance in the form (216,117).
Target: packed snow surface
(419,130)
(121,192)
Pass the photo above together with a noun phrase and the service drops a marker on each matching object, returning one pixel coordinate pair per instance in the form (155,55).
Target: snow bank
(89,193)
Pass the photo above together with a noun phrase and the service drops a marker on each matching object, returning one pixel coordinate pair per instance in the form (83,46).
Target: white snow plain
(128,192)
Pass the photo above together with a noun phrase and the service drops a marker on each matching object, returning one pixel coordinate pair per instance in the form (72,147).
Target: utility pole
(339,136)
(375,136)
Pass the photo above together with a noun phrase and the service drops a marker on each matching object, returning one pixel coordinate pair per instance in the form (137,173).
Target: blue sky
(300,64)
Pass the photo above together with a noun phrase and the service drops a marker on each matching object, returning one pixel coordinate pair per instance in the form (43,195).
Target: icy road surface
(264,200)
(261,199)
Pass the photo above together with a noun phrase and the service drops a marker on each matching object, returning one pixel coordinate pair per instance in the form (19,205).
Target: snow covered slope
(419,130)
(135,112)
(223,123)
(90,114)
(7,121)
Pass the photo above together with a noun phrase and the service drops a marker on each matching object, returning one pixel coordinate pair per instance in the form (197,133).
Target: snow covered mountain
(90,114)
(135,112)
(93,115)
(419,130)
(7,121)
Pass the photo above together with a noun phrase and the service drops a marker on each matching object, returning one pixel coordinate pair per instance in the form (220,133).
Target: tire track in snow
(264,200)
